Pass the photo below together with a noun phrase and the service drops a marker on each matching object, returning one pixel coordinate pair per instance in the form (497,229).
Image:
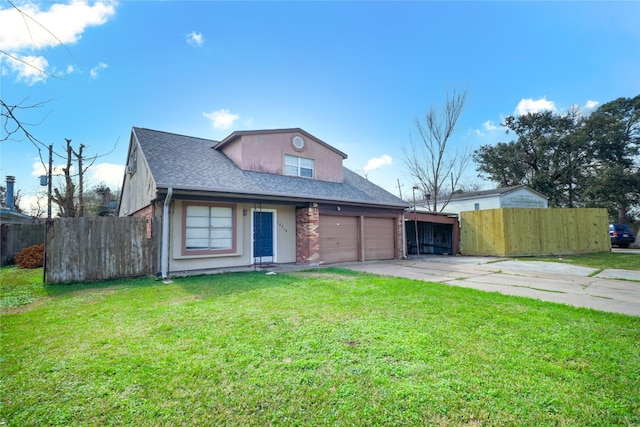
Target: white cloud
(377,162)
(39,29)
(28,69)
(109,173)
(94,71)
(221,119)
(529,105)
(489,126)
(195,39)
(38,169)
(31,29)
(590,105)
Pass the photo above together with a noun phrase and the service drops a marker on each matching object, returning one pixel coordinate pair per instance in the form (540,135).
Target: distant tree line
(575,160)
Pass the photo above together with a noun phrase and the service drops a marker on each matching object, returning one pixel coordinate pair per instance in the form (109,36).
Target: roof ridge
(175,134)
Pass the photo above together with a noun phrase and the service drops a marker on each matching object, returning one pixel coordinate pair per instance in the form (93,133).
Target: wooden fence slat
(16,237)
(531,232)
(82,249)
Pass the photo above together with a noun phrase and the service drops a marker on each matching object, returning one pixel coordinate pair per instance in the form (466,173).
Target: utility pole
(80,181)
(415,219)
(49,174)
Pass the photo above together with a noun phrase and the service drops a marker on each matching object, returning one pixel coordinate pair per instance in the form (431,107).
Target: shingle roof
(189,163)
(495,191)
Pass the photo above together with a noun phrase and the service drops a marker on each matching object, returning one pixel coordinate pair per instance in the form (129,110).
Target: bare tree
(17,128)
(433,164)
(69,197)
(38,205)
(65,198)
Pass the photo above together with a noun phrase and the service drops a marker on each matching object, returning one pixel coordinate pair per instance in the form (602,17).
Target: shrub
(31,257)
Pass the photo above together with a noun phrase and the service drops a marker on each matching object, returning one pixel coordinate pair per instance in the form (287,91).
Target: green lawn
(325,347)
(602,260)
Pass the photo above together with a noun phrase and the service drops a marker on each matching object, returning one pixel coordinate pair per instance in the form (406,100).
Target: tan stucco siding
(285,235)
(265,153)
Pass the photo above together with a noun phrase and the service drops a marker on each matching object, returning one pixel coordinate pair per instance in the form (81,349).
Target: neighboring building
(256,197)
(8,212)
(437,233)
(9,216)
(518,196)
(17,230)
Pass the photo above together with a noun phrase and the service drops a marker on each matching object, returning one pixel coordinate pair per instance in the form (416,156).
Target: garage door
(379,239)
(338,238)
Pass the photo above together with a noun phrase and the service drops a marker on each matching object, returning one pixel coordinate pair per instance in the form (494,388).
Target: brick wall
(307,236)
(146,212)
(399,237)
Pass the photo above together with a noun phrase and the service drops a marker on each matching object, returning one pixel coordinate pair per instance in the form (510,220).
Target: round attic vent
(298,142)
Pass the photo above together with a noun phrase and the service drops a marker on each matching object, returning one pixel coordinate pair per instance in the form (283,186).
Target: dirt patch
(26,307)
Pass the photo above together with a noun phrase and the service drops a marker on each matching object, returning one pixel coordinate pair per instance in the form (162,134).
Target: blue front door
(263,236)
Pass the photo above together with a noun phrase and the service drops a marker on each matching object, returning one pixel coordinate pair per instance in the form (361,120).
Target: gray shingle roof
(189,163)
(495,191)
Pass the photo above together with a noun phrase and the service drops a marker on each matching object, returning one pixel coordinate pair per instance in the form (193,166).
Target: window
(476,206)
(298,166)
(208,229)
(133,161)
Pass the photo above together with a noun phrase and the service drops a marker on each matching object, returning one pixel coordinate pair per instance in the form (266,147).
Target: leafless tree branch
(434,165)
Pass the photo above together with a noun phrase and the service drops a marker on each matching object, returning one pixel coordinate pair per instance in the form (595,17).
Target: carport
(437,233)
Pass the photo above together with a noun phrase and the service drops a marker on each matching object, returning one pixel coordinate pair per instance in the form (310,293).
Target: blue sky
(354,74)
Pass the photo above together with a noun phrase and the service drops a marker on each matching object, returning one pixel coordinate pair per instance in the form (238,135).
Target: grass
(601,260)
(20,286)
(324,347)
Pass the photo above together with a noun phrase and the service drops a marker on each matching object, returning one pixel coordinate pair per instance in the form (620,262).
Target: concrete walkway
(611,290)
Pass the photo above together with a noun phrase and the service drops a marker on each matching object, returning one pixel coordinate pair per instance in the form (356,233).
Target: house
(517,196)
(255,198)
(10,216)
(8,212)
(17,230)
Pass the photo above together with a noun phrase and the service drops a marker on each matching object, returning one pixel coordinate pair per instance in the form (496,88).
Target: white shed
(518,196)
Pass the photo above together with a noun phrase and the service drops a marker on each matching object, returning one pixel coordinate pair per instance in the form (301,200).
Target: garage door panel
(338,238)
(379,238)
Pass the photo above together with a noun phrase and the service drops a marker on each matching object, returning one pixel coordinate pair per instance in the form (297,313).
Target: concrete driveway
(611,290)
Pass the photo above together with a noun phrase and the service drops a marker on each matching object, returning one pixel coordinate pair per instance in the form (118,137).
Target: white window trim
(299,168)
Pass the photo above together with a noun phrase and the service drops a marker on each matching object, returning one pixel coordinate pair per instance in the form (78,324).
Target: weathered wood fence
(533,232)
(84,249)
(16,237)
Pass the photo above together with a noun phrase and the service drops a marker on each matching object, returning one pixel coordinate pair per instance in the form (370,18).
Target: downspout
(165,233)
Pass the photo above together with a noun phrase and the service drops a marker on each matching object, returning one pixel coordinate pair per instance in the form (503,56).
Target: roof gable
(268,151)
(238,134)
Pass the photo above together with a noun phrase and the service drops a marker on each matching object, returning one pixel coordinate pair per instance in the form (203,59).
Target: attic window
(133,161)
(298,166)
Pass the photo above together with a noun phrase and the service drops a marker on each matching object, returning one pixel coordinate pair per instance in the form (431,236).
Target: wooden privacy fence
(534,232)
(16,237)
(83,249)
